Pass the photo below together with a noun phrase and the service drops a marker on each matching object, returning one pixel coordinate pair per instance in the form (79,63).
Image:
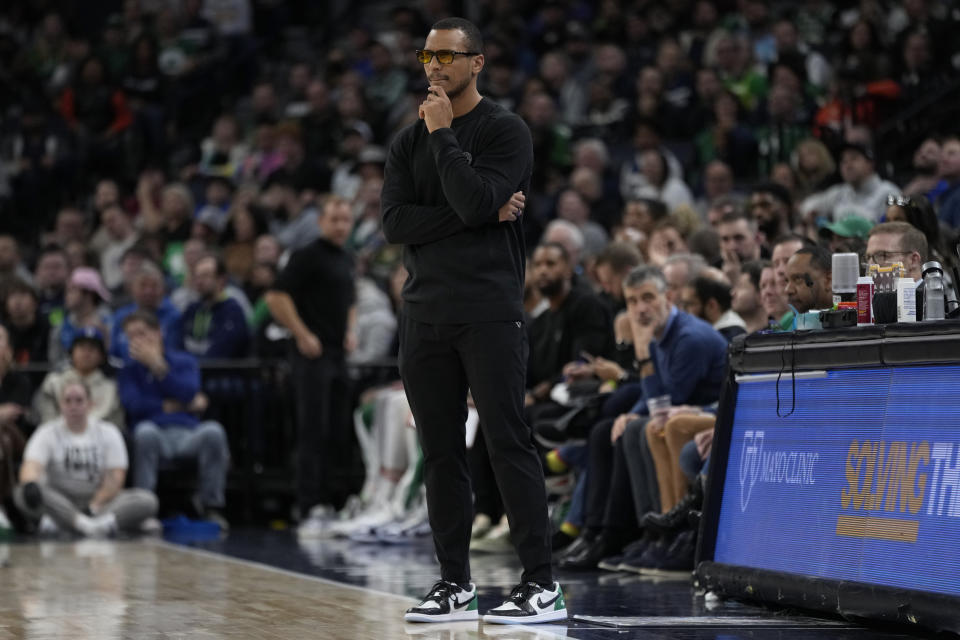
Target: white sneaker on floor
(327,527)
(529,603)
(417,525)
(366,530)
(322,512)
(421,529)
(102,526)
(497,539)
(381,515)
(481,526)
(446,602)
(151,527)
(47,526)
(314,528)
(4,521)
(370,532)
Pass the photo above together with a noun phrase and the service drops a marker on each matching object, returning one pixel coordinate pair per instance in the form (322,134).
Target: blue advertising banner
(860,482)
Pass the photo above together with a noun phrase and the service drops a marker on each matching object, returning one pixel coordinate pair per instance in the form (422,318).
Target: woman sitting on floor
(73,472)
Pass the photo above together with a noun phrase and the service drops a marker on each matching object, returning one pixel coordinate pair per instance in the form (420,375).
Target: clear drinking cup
(659,405)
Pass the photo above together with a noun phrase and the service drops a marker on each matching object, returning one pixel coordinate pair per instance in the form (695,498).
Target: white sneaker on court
(497,539)
(445,602)
(481,525)
(529,603)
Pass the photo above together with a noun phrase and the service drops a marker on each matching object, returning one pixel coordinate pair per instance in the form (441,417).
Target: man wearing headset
(809,279)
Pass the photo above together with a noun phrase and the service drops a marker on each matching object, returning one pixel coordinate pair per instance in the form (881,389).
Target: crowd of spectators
(161,161)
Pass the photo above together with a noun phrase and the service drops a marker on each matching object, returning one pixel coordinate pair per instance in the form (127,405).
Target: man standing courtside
(314,297)
(452,195)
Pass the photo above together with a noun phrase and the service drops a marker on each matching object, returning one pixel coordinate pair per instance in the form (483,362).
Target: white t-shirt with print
(76,463)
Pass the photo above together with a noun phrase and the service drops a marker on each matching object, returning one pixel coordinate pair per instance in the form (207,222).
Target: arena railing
(253,399)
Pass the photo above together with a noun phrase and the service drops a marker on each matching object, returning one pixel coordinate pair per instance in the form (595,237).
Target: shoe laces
(685,504)
(441,591)
(523,592)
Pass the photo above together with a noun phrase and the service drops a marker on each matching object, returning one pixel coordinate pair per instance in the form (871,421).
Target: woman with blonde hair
(814,167)
(73,472)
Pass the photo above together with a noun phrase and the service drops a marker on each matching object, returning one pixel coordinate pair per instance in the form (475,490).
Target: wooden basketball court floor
(266,585)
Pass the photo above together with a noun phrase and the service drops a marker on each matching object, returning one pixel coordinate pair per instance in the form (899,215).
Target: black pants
(609,495)
(438,363)
(642,470)
(486,493)
(323,431)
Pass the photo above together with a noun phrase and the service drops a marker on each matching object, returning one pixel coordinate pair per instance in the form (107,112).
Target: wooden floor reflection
(145,590)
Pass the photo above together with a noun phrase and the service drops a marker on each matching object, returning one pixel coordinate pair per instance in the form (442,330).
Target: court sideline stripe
(260,565)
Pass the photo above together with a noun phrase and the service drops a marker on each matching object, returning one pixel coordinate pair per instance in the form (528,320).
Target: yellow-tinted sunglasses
(444,56)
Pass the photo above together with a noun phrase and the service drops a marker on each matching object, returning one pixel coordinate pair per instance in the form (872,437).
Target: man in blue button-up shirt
(687,361)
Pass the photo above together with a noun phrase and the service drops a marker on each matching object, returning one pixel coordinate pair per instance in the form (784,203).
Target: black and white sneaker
(446,602)
(529,603)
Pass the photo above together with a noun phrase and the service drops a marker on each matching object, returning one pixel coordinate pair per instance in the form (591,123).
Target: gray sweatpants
(130,507)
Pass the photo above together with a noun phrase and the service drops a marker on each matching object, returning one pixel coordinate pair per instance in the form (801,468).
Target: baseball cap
(849,227)
(89,334)
(89,279)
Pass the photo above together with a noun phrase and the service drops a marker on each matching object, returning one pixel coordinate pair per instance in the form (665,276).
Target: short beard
(456,91)
(552,288)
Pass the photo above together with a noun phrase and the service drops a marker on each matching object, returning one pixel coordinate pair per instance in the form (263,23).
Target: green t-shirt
(261,314)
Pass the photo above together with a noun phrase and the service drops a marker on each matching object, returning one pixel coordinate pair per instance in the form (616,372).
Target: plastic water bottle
(933,290)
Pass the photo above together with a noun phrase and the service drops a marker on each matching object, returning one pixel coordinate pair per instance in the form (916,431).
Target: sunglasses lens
(424,56)
(445,57)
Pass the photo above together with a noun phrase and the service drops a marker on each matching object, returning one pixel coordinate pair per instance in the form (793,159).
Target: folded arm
(477,190)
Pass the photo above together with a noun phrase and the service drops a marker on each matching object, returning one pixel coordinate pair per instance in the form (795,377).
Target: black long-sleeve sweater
(441,195)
